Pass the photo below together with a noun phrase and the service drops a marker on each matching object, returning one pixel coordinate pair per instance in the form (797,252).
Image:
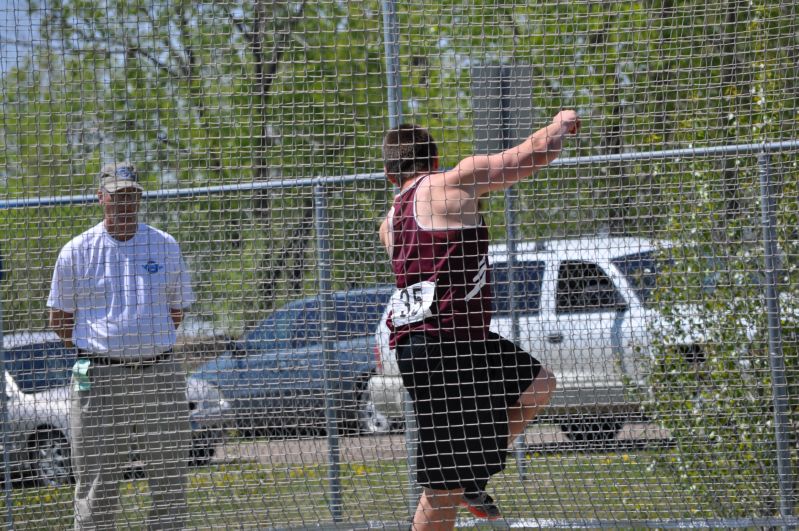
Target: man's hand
(568,121)
(62,323)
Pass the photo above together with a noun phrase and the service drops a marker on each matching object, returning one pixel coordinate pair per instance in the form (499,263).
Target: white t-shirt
(121,292)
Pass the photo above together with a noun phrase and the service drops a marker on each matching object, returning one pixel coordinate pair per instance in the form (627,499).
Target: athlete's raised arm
(486,173)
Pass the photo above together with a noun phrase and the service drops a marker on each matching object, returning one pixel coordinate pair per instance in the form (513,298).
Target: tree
(217,93)
(203,94)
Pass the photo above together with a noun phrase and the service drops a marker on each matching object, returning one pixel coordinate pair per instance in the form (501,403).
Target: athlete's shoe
(481,505)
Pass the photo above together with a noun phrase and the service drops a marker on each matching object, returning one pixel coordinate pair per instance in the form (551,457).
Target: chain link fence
(652,267)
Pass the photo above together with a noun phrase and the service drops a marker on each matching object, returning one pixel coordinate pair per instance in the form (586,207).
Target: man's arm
(385,232)
(180,295)
(487,173)
(62,323)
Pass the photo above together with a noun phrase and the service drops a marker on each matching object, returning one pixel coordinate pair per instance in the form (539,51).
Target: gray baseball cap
(119,176)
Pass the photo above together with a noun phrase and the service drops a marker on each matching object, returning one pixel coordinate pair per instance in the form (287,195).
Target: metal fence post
(394,95)
(779,384)
(512,239)
(4,398)
(327,316)
(510,130)
(391,46)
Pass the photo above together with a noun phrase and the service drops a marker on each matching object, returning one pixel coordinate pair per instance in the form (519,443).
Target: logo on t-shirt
(152,267)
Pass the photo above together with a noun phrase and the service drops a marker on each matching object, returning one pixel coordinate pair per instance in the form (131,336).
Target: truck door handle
(555,338)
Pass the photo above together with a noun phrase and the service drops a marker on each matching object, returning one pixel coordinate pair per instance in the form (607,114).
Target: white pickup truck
(583,308)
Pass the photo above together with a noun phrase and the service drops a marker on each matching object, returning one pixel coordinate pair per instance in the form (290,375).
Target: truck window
(585,287)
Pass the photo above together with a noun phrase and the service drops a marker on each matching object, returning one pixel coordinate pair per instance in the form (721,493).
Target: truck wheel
(49,455)
(202,448)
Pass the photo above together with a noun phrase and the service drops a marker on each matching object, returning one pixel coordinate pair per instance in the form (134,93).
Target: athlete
(473,391)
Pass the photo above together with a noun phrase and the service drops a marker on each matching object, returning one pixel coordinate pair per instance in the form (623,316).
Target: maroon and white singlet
(443,277)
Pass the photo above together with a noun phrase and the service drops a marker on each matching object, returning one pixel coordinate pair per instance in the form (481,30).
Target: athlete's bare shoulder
(442,204)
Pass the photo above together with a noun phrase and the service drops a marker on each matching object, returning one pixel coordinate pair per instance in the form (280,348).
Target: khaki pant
(129,409)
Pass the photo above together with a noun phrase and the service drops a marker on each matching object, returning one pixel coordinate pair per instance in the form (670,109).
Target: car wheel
(202,448)
(592,429)
(49,455)
(370,420)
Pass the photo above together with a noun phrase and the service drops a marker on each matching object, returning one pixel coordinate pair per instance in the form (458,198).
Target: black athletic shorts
(461,393)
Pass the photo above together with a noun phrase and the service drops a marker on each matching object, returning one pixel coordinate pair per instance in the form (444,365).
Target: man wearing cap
(118,294)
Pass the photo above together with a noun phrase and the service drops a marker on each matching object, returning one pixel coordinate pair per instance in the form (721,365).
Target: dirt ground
(542,438)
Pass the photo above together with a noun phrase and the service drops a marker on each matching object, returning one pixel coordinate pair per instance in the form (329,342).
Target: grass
(579,486)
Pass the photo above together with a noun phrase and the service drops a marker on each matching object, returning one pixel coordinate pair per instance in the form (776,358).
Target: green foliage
(717,401)
(205,94)
(718,404)
(195,94)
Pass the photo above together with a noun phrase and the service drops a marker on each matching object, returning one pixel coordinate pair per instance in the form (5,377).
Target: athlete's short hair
(408,150)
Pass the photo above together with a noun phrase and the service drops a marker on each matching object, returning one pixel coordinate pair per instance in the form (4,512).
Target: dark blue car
(276,378)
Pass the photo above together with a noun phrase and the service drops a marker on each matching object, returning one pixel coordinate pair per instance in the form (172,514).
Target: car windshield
(300,323)
(40,366)
(527,280)
(358,315)
(287,327)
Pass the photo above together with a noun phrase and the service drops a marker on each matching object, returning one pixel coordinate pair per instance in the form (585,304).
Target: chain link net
(651,268)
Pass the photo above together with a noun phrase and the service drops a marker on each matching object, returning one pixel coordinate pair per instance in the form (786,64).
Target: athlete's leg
(530,403)
(437,510)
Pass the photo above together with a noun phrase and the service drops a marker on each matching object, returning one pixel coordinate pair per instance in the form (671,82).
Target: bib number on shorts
(412,304)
